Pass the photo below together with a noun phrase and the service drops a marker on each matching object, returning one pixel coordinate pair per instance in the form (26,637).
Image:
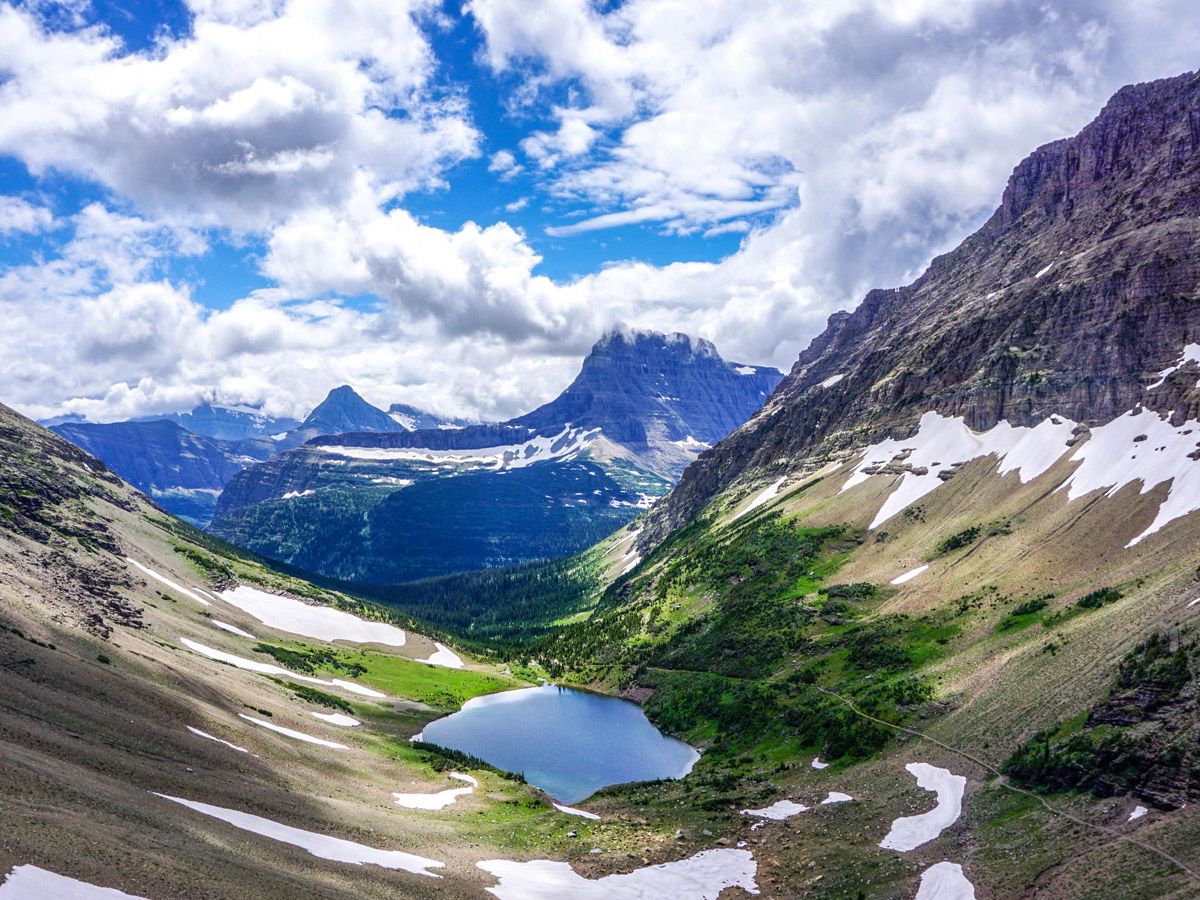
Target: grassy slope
(98,692)
(735,625)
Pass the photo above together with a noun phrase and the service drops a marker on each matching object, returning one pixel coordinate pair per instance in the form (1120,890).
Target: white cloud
(504,165)
(19,216)
(846,142)
(263,109)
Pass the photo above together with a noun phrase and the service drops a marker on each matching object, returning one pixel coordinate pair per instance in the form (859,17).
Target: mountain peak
(343,410)
(623,337)
(650,391)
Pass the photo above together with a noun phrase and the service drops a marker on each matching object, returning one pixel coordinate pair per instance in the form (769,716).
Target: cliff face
(641,386)
(392,506)
(659,396)
(1082,286)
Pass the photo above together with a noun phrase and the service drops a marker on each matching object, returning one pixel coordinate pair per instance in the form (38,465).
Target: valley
(918,619)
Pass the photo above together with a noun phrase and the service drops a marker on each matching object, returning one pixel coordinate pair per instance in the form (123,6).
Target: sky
(447,203)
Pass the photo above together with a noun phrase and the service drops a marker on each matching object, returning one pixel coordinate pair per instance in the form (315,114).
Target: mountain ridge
(393,506)
(1113,216)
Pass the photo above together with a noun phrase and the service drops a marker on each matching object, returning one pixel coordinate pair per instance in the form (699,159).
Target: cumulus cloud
(19,216)
(846,143)
(504,165)
(891,126)
(264,108)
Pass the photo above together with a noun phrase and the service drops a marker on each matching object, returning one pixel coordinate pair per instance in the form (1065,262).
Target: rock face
(1081,287)
(645,388)
(182,471)
(343,410)
(660,397)
(399,505)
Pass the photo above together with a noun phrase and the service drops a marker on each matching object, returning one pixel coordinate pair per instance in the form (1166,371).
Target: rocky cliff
(661,397)
(1083,285)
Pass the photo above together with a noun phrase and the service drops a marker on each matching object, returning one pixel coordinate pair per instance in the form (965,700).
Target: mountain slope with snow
(394,506)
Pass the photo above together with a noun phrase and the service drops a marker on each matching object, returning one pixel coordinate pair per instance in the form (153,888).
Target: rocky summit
(394,506)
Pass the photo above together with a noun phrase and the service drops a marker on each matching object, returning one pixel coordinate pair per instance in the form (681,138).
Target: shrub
(959,540)
(1099,598)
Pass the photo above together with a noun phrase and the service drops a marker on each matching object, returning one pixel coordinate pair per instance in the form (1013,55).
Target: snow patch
(778,811)
(909,575)
(1042,271)
(296,495)
(441,799)
(1138,812)
(765,496)
(572,811)
(691,444)
(817,764)
(340,719)
(1191,353)
(32,883)
(322,622)
(941,444)
(232,629)
(296,735)
(253,665)
(1141,446)
(168,582)
(700,877)
(444,656)
(910,832)
(320,845)
(836,797)
(567,444)
(945,881)
(209,737)
(832,380)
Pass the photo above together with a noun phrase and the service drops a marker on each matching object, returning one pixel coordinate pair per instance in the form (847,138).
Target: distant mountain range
(184,460)
(393,505)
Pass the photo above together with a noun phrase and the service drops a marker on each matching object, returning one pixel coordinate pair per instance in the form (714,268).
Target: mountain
(956,552)
(394,506)
(184,460)
(410,418)
(1071,297)
(659,395)
(343,410)
(225,423)
(182,471)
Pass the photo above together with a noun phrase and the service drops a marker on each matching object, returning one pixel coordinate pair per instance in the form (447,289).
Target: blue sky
(445,203)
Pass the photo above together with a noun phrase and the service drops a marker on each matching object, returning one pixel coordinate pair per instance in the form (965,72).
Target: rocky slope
(393,506)
(1082,286)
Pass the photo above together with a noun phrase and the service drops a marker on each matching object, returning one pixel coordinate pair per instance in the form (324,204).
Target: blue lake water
(568,743)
